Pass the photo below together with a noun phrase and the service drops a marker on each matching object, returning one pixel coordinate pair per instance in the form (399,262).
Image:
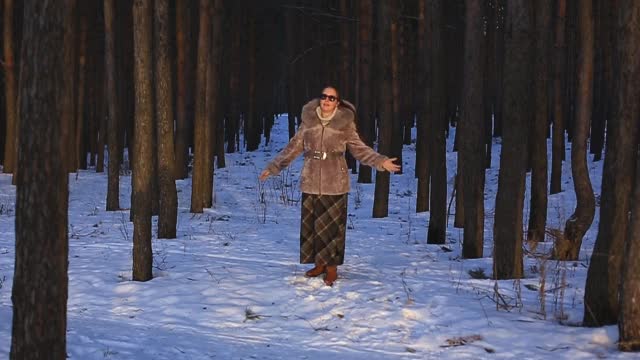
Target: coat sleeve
(361,151)
(294,148)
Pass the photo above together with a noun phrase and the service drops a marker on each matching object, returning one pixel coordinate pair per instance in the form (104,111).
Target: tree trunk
(11,89)
(629,320)
(292,106)
(164,123)
(501,29)
(472,139)
(80,150)
(538,146)
(600,96)
(518,76)
(143,127)
(568,246)
(424,120)
(113,187)
(40,281)
(198,201)
(69,81)
(601,298)
(396,78)
(212,91)
(436,233)
(385,103)
(251,134)
(183,76)
(365,96)
(490,85)
(558,99)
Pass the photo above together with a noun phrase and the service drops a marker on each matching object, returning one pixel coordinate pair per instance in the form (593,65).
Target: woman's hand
(390,166)
(264,175)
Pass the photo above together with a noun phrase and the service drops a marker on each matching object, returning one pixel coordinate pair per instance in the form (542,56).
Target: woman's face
(328,100)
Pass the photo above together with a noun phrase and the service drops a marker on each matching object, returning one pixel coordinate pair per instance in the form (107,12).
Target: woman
(327,130)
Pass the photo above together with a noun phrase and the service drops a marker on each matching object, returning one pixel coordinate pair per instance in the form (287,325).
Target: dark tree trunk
(424,120)
(518,79)
(113,188)
(538,145)
(385,103)
(346,59)
(292,106)
(168,210)
(251,134)
(365,94)
(437,151)
(183,77)
(143,127)
(40,281)
(629,320)
(499,48)
(568,246)
(11,89)
(490,85)
(557,154)
(235,82)
(212,96)
(80,150)
(571,73)
(472,139)
(458,219)
(396,78)
(198,200)
(600,95)
(69,81)
(601,298)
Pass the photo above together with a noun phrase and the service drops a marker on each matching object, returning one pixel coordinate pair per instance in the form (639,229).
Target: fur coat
(325,169)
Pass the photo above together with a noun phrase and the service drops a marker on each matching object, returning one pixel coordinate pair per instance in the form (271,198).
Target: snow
(230,286)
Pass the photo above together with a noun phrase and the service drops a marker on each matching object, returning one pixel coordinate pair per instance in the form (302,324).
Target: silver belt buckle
(319,155)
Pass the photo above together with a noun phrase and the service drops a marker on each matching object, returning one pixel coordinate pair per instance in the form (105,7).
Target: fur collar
(345,114)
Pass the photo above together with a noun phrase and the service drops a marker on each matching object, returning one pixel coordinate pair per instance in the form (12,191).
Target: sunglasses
(328,97)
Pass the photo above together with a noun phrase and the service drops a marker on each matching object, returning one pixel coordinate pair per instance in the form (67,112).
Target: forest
(164,90)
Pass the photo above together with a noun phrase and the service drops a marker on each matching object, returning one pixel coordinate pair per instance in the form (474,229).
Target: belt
(322,155)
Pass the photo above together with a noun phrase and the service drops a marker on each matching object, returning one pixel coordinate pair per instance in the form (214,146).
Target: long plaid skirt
(322,229)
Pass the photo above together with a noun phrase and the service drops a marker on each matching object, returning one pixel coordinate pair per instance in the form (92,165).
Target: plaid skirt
(322,229)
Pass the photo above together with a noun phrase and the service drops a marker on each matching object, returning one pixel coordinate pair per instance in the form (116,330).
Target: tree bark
(11,89)
(80,143)
(538,205)
(40,282)
(629,320)
(473,122)
(143,128)
(198,201)
(601,298)
(183,76)
(558,98)
(518,76)
(385,103)
(212,102)
(423,123)
(113,187)
(568,246)
(69,81)
(365,96)
(168,213)
(436,234)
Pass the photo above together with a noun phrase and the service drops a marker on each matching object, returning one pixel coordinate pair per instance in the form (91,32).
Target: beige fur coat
(325,169)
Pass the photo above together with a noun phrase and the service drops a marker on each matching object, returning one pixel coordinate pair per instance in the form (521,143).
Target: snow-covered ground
(230,286)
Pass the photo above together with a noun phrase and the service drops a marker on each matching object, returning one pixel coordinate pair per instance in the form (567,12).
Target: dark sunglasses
(329,97)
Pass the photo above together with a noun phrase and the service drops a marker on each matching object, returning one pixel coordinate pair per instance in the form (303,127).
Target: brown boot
(316,271)
(332,275)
